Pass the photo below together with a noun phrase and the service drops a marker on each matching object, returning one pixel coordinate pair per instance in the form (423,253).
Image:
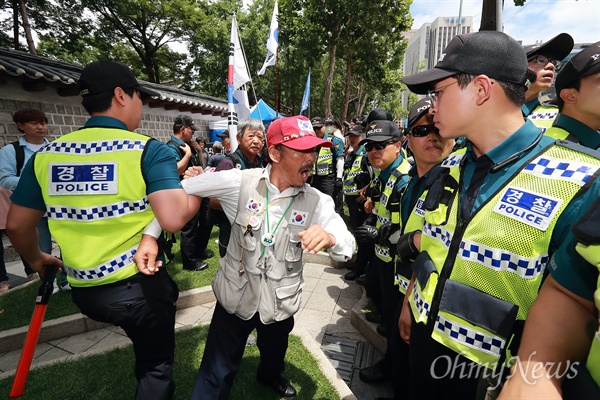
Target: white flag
(272,42)
(237,77)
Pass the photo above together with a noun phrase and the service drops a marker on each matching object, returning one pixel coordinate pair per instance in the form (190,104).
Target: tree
(18,16)
(133,29)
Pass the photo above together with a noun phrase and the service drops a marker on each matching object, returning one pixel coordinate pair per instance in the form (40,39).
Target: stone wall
(65,114)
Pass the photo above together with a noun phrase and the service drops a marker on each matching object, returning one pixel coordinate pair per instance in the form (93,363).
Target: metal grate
(347,355)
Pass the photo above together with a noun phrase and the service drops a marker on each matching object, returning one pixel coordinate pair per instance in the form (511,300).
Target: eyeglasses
(422,130)
(543,60)
(377,146)
(434,94)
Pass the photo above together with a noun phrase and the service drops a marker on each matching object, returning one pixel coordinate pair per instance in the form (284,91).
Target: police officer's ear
(568,95)
(119,96)
(484,86)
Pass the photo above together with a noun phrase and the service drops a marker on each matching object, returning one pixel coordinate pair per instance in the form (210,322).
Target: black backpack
(19,155)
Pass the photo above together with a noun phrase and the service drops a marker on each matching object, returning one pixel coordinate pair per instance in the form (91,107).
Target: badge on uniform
(254,205)
(419,208)
(85,178)
(531,208)
(298,218)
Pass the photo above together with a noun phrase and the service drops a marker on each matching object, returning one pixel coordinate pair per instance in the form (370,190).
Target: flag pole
(277,81)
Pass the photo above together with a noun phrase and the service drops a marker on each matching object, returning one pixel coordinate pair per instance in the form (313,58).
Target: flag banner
(272,42)
(237,77)
(306,97)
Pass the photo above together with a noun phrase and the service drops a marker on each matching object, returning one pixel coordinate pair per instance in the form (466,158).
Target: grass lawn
(16,306)
(110,375)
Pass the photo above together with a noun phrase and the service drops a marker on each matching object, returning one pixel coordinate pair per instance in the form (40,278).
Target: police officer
(492,218)
(100,186)
(544,60)
(357,175)
(195,234)
(428,149)
(578,93)
(391,175)
(329,167)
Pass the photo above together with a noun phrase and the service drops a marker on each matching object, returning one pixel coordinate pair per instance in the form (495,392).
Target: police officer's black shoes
(375,374)
(374,317)
(280,385)
(196,266)
(382,329)
(352,275)
(206,254)
(361,280)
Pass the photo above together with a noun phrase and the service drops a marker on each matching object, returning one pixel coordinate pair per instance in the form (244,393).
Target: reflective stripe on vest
(413,223)
(495,278)
(381,210)
(543,116)
(92,182)
(103,270)
(324,164)
(355,169)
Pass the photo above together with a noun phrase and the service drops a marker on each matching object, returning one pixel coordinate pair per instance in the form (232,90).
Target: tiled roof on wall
(38,73)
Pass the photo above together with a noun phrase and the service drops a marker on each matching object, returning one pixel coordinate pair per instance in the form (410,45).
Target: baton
(41,303)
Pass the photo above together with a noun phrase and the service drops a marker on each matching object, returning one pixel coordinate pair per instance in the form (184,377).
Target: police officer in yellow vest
(492,219)
(572,283)
(544,60)
(384,149)
(578,94)
(559,355)
(100,186)
(357,175)
(329,167)
(428,149)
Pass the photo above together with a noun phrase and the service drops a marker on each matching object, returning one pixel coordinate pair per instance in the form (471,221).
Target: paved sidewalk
(331,309)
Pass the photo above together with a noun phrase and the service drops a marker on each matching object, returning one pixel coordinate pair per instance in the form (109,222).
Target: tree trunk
(27,27)
(329,81)
(344,115)
(15,4)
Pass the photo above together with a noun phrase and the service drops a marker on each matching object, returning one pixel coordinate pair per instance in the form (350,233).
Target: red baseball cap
(294,132)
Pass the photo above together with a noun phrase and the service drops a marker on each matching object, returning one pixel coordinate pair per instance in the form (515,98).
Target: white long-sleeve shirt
(225,187)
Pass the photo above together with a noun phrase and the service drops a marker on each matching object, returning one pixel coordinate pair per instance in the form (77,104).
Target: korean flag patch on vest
(254,205)
(298,218)
(530,208)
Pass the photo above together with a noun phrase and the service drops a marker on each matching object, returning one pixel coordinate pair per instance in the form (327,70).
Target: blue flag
(306,97)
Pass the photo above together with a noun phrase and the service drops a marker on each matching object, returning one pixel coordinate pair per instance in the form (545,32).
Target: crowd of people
(474,228)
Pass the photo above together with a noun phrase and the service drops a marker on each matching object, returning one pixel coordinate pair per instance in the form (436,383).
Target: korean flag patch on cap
(298,218)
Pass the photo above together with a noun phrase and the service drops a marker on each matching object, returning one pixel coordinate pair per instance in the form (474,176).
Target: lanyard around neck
(278,223)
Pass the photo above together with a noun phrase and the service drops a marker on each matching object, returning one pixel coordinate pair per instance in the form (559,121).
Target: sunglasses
(422,130)
(377,146)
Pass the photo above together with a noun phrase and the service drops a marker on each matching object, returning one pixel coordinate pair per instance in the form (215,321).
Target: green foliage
(110,376)
(353,48)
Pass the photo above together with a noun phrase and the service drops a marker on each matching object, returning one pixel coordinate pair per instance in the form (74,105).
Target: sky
(538,20)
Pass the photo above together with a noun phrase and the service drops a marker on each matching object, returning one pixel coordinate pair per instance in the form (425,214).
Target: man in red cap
(276,217)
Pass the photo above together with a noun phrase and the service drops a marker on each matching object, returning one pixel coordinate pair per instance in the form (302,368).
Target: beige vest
(270,283)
